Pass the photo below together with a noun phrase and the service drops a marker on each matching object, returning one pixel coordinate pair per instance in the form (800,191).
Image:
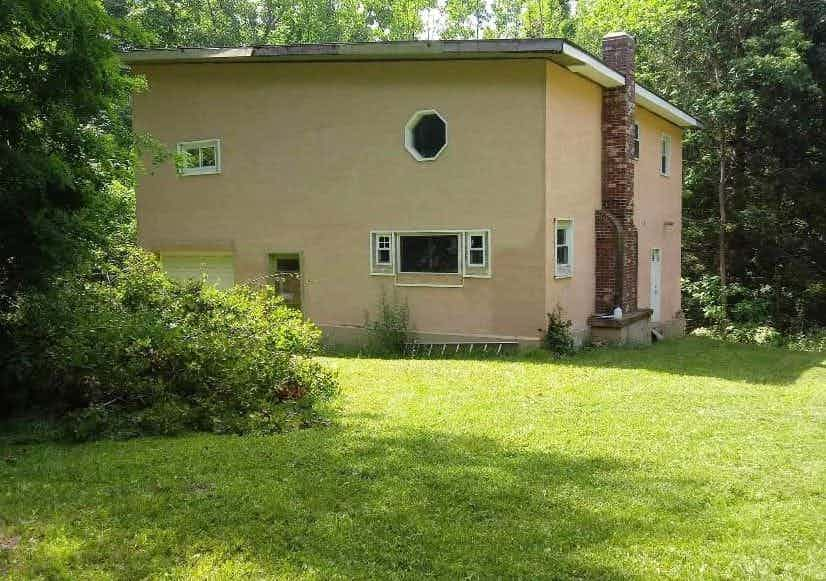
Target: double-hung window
(476,249)
(665,155)
(564,248)
(453,252)
(382,255)
(477,253)
(636,152)
(384,249)
(199,157)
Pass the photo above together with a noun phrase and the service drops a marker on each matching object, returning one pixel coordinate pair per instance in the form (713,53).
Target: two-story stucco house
(484,183)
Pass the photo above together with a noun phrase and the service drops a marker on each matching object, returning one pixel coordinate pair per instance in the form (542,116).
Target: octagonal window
(425,135)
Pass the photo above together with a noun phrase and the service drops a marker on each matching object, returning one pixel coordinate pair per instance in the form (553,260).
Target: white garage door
(218,268)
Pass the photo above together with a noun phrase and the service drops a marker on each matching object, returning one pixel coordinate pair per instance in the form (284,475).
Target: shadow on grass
(334,502)
(691,356)
(702,357)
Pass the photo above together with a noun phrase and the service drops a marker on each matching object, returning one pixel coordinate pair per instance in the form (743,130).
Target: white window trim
(557,273)
(195,171)
(665,152)
(469,246)
(389,248)
(408,134)
(460,251)
(373,253)
(635,155)
(462,233)
(487,236)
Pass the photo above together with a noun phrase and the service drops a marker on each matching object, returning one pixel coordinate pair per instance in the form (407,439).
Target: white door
(656,282)
(218,269)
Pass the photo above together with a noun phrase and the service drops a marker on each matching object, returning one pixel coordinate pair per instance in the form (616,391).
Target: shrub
(128,352)
(811,340)
(557,338)
(390,333)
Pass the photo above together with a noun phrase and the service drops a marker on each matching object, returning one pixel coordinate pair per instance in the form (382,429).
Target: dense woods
(753,71)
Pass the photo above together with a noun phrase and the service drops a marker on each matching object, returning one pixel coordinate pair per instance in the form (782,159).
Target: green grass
(688,459)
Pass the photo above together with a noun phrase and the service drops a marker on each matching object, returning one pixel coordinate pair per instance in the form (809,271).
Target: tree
(754,72)
(748,71)
(251,22)
(64,132)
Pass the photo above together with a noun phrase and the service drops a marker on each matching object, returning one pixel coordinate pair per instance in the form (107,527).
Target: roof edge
(558,50)
(390,50)
(649,100)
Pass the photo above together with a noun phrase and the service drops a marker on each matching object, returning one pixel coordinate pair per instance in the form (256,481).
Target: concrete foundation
(354,337)
(633,328)
(673,329)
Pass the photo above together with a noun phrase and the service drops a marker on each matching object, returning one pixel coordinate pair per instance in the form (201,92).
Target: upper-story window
(425,135)
(636,152)
(199,157)
(665,155)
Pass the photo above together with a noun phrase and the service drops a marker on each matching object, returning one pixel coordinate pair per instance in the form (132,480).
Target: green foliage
(702,304)
(755,73)
(557,338)
(390,333)
(64,129)
(249,22)
(126,351)
(688,460)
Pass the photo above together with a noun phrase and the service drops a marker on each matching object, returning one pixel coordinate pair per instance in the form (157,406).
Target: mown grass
(688,459)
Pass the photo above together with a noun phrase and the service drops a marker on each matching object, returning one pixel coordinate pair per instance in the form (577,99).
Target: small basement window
(636,152)
(425,135)
(429,253)
(199,157)
(665,155)
(564,248)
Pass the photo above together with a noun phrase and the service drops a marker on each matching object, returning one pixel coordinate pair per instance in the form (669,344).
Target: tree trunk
(721,198)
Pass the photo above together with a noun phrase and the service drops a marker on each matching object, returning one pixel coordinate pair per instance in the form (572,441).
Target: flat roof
(557,50)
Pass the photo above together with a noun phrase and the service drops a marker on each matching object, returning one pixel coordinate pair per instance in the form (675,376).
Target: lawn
(687,459)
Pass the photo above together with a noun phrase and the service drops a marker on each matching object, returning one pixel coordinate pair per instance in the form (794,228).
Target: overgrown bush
(702,303)
(557,337)
(126,352)
(750,317)
(389,334)
(811,340)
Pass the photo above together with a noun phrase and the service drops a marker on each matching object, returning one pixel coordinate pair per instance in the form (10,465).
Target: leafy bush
(129,352)
(557,338)
(390,333)
(747,306)
(811,340)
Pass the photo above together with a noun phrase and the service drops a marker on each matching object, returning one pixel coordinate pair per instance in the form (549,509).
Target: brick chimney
(616,235)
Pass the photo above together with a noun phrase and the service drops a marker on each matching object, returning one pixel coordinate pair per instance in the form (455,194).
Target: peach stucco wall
(658,210)
(313,160)
(573,187)
(573,190)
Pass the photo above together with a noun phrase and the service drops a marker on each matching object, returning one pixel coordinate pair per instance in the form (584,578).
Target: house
(483,183)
